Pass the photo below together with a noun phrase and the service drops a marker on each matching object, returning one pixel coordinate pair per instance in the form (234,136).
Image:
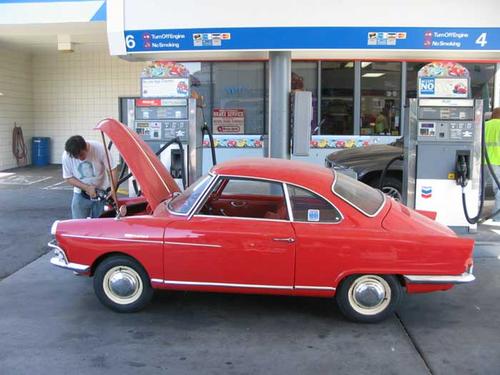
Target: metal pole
(280,71)
(496,89)
(402,108)
(357,98)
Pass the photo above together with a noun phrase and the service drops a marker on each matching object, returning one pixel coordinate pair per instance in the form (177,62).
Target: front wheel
(122,284)
(369,298)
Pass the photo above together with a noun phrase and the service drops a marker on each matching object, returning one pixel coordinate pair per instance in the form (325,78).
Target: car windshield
(359,195)
(183,202)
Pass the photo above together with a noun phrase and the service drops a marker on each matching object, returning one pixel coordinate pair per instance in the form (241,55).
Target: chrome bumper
(466,277)
(60,260)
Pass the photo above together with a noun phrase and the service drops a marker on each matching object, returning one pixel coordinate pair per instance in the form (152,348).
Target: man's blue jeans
(82,208)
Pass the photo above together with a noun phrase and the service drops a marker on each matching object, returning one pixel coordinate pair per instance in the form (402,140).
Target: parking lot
(51,322)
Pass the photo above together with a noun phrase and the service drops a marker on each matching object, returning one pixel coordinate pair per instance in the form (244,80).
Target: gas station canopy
(226,29)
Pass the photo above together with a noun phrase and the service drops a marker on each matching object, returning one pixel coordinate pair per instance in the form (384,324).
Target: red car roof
(292,171)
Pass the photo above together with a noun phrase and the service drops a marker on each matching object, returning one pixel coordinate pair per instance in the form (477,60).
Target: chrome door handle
(238,204)
(289,239)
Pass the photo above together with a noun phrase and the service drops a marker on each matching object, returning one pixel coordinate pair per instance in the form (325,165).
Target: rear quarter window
(364,198)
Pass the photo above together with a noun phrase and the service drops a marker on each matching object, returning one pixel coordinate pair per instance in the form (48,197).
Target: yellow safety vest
(492,139)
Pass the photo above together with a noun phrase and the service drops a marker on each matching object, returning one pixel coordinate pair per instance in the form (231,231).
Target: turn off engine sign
(228,121)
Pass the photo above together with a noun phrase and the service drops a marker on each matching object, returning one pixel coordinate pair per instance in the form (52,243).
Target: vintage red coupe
(263,226)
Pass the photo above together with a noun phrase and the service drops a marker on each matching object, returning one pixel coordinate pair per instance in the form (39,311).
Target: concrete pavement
(51,322)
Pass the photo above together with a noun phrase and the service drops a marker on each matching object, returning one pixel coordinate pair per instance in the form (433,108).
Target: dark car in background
(367,164)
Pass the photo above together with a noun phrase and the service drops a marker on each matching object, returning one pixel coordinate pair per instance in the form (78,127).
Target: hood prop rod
(111,177)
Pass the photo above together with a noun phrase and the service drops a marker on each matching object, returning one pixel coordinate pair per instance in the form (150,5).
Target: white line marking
(57,186)
(21,180)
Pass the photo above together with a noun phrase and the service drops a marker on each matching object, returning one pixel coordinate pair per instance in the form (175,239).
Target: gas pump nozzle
(462,169)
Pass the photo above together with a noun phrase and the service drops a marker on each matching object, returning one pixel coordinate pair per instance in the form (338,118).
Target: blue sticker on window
(312,215)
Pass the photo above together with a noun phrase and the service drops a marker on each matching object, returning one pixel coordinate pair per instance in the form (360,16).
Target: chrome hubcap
(122,285)
(392,192)
(369,294)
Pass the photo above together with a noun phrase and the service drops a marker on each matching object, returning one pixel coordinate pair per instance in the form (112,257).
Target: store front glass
(380,98)
(240,86)
(201,83)
(337,97)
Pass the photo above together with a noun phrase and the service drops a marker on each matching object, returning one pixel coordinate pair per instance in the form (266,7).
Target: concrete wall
(74,91)
(16,103)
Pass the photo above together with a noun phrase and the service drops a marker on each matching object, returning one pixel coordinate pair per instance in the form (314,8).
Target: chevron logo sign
(426,192)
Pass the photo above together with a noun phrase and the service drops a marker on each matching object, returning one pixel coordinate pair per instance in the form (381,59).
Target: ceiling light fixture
(373,75)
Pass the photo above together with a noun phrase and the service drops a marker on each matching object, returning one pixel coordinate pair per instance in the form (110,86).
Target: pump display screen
(161,113)
(427,129)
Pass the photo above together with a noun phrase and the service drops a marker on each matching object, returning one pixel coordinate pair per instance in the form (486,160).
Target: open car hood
(155,181)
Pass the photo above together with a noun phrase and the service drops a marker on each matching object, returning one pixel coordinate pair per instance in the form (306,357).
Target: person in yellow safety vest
(492,139)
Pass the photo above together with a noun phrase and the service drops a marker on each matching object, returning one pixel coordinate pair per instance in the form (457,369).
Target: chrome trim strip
(63,263)
(466,277)
(193,209)
(353,205)
(242,218)
(203,196)
(157,281)
(190,244)
(287,202)
(110,238)
(307,287)
(229,285)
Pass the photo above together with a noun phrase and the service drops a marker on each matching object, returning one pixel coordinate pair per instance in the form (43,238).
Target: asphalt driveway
(51,322)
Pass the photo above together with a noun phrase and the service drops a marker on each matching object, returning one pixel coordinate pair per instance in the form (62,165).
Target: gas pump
(443,146)
(169,120)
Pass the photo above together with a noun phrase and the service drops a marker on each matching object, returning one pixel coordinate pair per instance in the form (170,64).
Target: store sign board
(292,38)
(164,87)
(443,79)
(228,121)
(429,87)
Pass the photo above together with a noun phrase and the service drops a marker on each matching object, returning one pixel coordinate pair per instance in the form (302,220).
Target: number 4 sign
(481,39)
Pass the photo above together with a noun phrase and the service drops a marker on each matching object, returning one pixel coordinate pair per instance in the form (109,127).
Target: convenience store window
(201,83)
(482,81)
(337,98)
(380,98)
(240,86)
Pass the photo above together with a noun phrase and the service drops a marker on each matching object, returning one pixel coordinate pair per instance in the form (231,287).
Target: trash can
(40,151)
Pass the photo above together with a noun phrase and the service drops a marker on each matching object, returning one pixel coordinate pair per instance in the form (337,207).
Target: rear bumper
(60,260)
(464,278)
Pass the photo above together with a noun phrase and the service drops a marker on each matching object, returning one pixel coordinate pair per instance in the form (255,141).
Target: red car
(262,226)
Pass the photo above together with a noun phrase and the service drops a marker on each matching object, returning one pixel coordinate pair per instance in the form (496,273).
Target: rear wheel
(122,284)
(369,298)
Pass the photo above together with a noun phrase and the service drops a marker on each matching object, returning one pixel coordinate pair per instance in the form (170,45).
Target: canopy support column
(280,73)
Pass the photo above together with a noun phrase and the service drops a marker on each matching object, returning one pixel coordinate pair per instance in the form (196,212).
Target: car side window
(310,207)
(252,187)
(247,198)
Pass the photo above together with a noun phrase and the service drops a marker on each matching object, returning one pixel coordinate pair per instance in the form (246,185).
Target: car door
(319,240)
(230,249)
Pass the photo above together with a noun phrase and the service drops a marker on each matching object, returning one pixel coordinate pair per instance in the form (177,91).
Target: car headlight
(53,228)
